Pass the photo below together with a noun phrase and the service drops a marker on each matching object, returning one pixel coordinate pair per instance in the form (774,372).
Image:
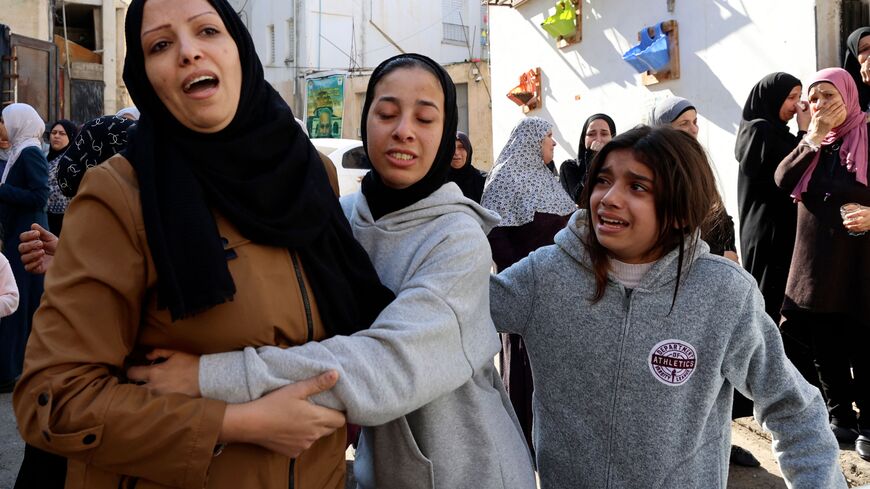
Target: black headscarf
(99,140)
(70,128)
(469,179)
(262,174)
(581,148)
(572,175)
(850,64)
(767,96)
(382,199)
(768,216)
(763,104)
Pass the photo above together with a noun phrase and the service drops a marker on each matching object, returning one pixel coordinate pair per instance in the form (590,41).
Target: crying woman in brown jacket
(215,230)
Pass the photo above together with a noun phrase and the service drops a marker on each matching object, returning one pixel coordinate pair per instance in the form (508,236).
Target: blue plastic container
(652,52)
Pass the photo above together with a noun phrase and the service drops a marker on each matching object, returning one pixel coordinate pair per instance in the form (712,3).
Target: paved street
(745,433)
(12,447)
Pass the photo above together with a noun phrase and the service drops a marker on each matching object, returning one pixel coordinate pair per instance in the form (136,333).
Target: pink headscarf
(853,131)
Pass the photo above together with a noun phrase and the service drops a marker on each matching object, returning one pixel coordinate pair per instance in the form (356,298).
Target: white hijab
(131,111)
(520,184)
(24,128)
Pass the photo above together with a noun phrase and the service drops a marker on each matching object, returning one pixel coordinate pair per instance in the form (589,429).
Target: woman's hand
(37,249)
(858,221)
(802,111)
(825,119)
(596,145)
(179,373)
(284,421)
(865,71)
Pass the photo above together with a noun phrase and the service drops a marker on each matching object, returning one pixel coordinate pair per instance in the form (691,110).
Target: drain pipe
(319,33)
(66,41)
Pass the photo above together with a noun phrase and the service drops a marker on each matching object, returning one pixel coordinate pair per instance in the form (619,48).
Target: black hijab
(382,199)
(850,64)
(763,104)
(572,174)
(584,154)
(767,96)
(70,128)
(469,179)
(261,173)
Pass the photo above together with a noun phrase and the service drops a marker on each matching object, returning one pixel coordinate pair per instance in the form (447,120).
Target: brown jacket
(100,306)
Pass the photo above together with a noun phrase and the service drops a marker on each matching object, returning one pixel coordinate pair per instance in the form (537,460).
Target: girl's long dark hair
(685,192)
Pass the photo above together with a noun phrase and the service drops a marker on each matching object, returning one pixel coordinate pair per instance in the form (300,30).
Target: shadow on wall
(597,62)
(547,94)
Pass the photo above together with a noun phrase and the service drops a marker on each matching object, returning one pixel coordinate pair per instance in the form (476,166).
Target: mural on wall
(325,106)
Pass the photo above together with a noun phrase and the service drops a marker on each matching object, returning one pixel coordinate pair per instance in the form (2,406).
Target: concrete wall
(281,16)
(417,27)
(348,35)
(726,46)
(27,17)
(479,115)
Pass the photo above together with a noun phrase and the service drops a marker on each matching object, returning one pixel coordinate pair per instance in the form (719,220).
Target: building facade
(725,47)
(302,42)
(77,44)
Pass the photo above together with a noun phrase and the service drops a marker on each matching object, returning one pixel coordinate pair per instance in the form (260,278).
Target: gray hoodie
(421,380)
(628,395)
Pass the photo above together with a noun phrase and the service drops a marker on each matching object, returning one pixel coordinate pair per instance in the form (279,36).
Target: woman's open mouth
(611,224)
(200,85)
(401,158)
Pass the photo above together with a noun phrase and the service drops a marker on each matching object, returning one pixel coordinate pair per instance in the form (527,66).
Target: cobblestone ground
(745,432)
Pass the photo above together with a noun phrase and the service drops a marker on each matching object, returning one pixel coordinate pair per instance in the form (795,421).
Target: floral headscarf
(520,184)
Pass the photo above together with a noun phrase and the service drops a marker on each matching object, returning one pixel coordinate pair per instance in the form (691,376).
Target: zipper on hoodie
(616,388)
(292,474)
(305,301)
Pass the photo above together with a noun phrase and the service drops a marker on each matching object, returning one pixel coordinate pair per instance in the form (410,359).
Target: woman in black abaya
(469,179)
(768,215)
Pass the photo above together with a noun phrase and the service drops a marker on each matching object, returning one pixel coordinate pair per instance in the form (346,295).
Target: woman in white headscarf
(23,196)
(131,113)
(533,208)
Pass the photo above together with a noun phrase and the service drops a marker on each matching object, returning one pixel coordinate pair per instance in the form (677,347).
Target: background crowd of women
(376,285)
(808,259)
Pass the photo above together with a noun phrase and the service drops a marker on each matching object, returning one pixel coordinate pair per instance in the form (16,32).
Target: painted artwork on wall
(325,106)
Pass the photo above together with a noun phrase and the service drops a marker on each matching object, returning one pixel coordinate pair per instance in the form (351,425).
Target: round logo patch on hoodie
(672,362)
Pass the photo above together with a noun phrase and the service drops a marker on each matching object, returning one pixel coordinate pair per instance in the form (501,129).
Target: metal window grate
(270,53)
(455,32)
(291,41)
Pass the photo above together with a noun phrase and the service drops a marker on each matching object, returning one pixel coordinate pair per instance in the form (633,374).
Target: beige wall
(26,17)
(479,110)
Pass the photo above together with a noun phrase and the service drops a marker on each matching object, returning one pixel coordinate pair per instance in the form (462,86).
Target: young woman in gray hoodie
(637,336)
(421,381)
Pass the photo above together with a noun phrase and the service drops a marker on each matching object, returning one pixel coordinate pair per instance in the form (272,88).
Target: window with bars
(291,41)
(453,21)
(270,44)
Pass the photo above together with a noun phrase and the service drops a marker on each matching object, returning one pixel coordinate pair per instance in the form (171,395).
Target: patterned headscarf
(853,131)
(24,128)
(520,184)
(98,140)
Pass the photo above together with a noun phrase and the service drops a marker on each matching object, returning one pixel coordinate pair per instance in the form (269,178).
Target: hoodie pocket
(389,456)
